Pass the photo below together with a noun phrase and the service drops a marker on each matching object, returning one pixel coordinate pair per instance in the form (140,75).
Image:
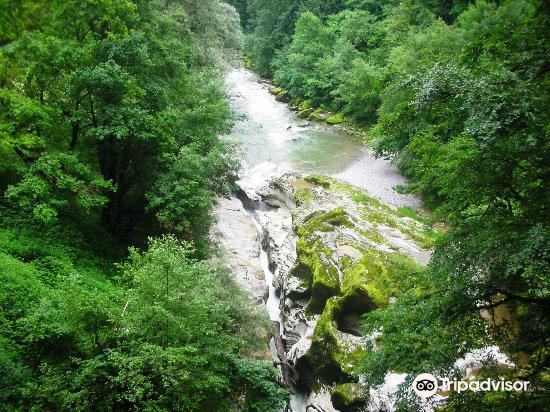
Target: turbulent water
(274,140)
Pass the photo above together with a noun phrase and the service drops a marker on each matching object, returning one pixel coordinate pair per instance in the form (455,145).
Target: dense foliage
(458,93)
(110,116)
(163,332)
(106,95)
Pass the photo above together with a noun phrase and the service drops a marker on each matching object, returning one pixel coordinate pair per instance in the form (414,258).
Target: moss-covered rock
(319,115)
(283,96)
(314,267)
(319,180)
(303,197)
(275,90)
(349,397)
(325,352)
(336,119)
(304,113)
(353,255)
(305,105)
(314,117)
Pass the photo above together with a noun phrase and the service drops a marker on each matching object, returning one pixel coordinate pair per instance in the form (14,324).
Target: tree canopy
(111,113)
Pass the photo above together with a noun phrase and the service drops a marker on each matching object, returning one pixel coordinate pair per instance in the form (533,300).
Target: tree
(296,71)
(183,196)
(56,182)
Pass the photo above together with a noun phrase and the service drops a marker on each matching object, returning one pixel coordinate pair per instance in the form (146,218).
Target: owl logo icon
(425,385)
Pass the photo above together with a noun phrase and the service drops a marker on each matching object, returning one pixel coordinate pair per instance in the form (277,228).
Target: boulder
(282,96)
(304,114)
(275,90)
(336,253)
(336,119)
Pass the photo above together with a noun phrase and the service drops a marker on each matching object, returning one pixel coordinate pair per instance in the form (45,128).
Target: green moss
(326,328)
(324,221)
(283,97)
(319,115)
(376,212)
(325,285)
(365,199)
(424,236)
(413,214)
(303,197)
(336,119)
(319,180)
(314,267)
(275,90)
(324,351)
(303,114)
(381,217)
(343,288)
(278,184)
(315,117)
(343,359)
(338,217)
(349,397)
(316,256)
(381,275)
(305,105)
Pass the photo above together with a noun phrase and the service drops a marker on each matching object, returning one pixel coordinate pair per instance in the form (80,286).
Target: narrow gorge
(320,236)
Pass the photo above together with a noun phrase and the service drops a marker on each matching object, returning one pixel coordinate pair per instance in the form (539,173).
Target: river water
(275,140)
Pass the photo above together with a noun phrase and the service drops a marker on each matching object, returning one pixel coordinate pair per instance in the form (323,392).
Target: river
(274,140)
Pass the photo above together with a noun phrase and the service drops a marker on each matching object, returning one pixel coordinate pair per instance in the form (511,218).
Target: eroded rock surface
(237,237)
(335,253)
(353,254)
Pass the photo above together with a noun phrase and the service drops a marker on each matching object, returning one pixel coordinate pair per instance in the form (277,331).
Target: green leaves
(255,385)
(180,309)
(296,71)
(167,336)
(120,84)
(22,121)
(109,108)
(57,181)
(183,195)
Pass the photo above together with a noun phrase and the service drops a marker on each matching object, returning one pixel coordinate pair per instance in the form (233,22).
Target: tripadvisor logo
(426,385)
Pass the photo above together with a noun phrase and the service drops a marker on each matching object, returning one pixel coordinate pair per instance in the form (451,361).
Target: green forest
(112,114)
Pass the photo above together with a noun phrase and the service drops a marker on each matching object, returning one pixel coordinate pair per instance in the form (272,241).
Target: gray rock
(237,238)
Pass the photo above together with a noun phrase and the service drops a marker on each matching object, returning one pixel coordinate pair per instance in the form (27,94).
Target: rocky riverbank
(335,253)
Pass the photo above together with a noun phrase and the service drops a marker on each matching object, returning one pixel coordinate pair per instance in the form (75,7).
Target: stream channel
(274,141)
